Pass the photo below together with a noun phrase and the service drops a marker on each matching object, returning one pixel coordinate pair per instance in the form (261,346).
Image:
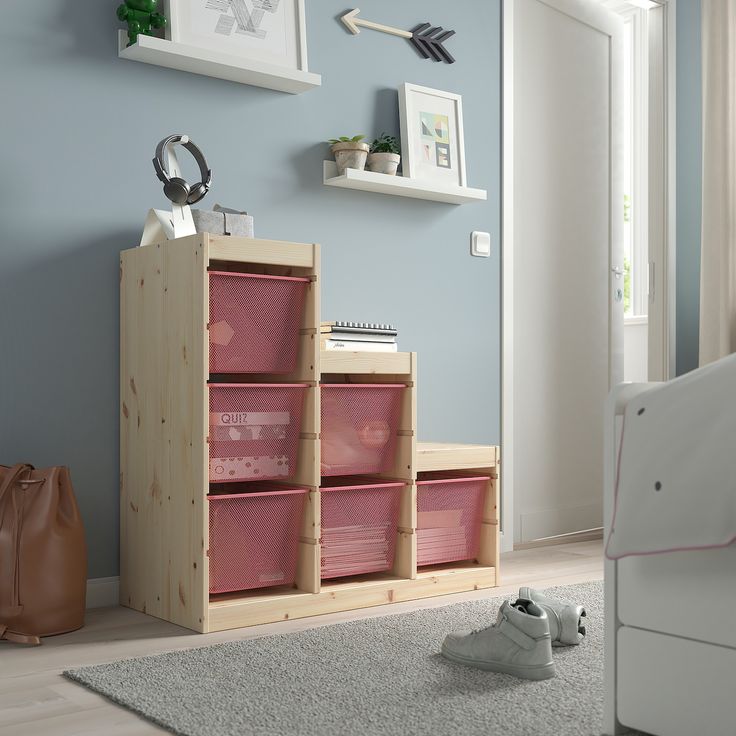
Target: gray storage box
(223,221)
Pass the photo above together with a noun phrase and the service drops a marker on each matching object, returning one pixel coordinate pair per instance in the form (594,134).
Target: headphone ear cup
(177,190)
(196,193)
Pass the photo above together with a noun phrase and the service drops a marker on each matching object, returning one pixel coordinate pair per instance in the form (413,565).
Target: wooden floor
(36,701)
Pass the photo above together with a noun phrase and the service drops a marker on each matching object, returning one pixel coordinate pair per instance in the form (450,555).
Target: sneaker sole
(524,671)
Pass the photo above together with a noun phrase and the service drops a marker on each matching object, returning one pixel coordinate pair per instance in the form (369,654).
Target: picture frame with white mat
(270,32)
(432,141)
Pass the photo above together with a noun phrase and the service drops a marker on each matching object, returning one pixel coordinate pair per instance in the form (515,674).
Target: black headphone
(175,188)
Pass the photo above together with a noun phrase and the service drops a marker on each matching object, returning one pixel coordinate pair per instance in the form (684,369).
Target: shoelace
(481,630)
(493,625)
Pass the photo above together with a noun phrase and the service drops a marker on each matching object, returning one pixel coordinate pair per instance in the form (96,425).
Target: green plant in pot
(350,153)
(385,155)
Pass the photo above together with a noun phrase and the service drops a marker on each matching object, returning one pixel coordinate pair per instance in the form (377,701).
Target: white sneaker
(517,644)
(565,618)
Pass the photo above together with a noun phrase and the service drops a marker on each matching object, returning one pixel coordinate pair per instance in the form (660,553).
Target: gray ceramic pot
(384,163)
(350,155)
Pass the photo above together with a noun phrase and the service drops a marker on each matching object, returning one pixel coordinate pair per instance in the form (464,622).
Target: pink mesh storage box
(254,539)
(449,517)
(254,322)
(359,426)
(359,522)
(254,430)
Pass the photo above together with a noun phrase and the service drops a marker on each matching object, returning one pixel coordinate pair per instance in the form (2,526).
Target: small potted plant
(385,156)
(349,153)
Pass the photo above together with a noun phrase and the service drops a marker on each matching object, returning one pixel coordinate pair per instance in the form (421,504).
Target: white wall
(635,350)
(71,204)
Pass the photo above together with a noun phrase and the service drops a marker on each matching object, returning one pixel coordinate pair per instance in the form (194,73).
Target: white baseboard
(554,522)
(585,536)
(103,592)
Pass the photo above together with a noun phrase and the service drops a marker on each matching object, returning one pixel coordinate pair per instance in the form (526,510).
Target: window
(635,90)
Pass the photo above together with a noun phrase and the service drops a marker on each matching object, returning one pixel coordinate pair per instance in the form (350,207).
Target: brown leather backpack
(43,555)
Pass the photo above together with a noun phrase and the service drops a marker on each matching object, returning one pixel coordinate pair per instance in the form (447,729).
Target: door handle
(652,282)
(618,294)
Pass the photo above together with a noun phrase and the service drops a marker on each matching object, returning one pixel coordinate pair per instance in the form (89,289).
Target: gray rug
(376,677)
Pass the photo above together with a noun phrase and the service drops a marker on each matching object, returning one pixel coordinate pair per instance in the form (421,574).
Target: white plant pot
(350,156)
(384,163)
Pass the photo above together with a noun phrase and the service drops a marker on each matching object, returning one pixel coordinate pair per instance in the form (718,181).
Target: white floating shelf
(159,51)
(401,186)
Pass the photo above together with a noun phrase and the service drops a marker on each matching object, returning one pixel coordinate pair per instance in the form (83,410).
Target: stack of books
(358,336)
(441,545)
(355,550)
(442,537)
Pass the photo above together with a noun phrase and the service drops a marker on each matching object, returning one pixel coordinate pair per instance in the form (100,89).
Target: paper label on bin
(439,519)
(244,468)
(248,418)
(271,577)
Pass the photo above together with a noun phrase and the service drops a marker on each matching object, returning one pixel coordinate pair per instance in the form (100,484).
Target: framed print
(432,135)
(267,31)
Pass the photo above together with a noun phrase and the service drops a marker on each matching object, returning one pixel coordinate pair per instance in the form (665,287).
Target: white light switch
(480,244)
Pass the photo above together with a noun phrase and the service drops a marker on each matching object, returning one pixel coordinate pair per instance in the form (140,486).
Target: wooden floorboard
(35,700)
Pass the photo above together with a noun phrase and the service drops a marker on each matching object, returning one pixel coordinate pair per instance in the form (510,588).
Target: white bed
(670,622)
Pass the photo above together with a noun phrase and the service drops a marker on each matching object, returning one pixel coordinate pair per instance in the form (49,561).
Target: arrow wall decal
(427,39)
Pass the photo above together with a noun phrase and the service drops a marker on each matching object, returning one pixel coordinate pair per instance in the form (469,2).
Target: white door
(562,261)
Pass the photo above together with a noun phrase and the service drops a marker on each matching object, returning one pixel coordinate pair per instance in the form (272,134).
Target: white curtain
(718,243)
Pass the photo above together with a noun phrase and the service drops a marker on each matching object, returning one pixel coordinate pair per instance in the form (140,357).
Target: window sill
(639,319)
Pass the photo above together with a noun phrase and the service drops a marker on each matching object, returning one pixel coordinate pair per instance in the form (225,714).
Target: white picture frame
(435,153)
(270,32)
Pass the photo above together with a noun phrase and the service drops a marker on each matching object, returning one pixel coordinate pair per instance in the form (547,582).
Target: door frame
(602,19)
(663,197)
(507,274)
(662,185)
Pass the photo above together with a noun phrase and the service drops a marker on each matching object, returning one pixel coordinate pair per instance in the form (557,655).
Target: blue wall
(689,180)
(79,131)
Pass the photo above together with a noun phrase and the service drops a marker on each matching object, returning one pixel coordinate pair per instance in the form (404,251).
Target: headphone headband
(191,194)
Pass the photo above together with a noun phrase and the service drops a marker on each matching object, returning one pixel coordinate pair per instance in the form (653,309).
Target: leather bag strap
(13,476)
(18,638)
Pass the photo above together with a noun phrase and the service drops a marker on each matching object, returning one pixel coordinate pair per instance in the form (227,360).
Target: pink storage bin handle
(368,487)
(256,494)
(456,479)
(257,276)
(363,385)
(213,384)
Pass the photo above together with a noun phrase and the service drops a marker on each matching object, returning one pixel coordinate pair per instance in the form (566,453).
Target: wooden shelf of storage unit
(371,363)
(346,595)
(164,417)
(470,460)
(449,456)
(372,367)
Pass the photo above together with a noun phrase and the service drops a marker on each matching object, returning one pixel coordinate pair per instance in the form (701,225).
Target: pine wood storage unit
(164,435)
